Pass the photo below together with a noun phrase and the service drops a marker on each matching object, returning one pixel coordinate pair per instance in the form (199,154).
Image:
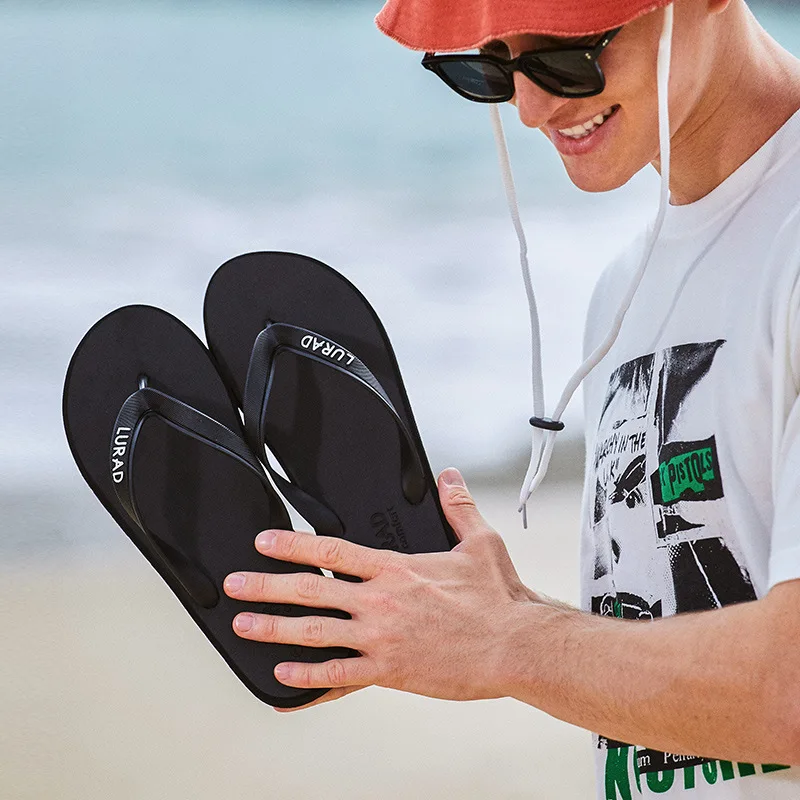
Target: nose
(534,105)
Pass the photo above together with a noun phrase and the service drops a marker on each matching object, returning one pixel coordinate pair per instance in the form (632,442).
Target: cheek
(630,63)
(630,76)
(631,83)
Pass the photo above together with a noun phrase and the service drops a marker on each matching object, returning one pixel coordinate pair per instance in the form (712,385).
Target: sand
(109,691)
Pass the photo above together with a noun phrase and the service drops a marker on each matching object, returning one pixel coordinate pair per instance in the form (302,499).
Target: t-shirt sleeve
(784,562)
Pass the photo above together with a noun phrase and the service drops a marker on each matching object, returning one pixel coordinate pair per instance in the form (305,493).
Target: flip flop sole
(335,438)
(191,497)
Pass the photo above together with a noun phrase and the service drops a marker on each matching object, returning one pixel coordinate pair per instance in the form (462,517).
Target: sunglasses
(562,71)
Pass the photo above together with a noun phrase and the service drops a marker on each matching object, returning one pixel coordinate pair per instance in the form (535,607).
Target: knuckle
(308,585)
(303,676)
(390,674)
(268,626)
(460,497)
(262,584)
(330,553)
(312,631)
(489,539)
(493,538)
(370,638)
(384,603)
(394,564)
(288,544)
(335,673)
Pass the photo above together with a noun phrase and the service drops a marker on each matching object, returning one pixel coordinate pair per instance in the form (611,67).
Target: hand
(439,624)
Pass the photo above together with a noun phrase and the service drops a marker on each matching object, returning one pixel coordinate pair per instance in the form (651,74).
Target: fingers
(337,673)
(308,631)
(325,552)
(333,694)
(458,505)
(301,588)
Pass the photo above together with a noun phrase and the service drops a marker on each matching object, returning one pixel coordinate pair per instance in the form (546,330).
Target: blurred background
(142,144)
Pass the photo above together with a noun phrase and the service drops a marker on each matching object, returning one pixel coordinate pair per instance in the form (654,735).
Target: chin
(601,179)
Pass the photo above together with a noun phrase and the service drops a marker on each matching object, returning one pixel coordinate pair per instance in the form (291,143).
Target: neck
(746,99)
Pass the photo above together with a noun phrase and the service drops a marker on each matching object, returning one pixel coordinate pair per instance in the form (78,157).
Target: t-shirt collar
(690,219)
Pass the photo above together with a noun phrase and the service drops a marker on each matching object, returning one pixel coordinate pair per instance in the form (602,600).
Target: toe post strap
(148,402)
(316,347)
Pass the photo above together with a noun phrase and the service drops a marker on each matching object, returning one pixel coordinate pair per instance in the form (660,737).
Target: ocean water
(143,143)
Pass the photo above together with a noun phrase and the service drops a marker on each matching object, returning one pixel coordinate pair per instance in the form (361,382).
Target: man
(691,501)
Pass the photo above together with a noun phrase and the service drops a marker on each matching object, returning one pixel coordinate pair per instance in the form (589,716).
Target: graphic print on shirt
(659,520)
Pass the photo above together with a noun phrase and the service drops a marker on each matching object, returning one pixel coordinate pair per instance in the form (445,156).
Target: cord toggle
(547,424)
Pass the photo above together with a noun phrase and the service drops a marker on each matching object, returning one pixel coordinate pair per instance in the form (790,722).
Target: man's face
(624,138)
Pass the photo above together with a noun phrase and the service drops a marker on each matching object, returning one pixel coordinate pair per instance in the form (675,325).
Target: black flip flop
(312,367)
(156,435)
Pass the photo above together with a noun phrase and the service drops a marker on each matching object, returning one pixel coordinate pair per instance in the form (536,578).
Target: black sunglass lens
(479,80)
(570,74)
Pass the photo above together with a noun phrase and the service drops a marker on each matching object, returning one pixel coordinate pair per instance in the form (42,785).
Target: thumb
(458,505)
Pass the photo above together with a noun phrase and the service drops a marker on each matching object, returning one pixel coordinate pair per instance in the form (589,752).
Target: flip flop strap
(314,346)
(135,410)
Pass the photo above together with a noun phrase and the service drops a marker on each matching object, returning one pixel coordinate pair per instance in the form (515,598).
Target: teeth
(579,131)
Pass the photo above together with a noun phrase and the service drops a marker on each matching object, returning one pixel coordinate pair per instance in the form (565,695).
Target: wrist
(535,642)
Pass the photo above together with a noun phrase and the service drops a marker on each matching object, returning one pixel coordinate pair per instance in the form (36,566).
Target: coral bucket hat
(449,25)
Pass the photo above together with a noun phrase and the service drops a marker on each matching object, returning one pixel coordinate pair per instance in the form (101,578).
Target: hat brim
(451,25)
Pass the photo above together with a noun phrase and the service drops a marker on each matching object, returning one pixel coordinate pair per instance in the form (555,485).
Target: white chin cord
(545,428)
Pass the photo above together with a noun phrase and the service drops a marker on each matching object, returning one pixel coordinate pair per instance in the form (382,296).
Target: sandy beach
(109,691)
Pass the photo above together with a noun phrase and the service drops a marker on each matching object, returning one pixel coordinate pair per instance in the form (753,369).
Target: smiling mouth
(583,130)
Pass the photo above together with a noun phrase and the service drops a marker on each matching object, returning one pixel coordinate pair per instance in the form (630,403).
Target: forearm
(718,684)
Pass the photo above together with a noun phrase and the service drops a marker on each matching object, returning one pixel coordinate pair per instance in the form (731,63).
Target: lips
(579,140)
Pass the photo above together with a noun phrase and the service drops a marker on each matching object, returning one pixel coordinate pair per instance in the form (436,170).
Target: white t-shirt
(692,497)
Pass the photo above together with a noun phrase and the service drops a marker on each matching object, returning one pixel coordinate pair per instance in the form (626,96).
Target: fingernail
(265,539)
(244,622)
(234,582)
(282,671)
(452,477)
